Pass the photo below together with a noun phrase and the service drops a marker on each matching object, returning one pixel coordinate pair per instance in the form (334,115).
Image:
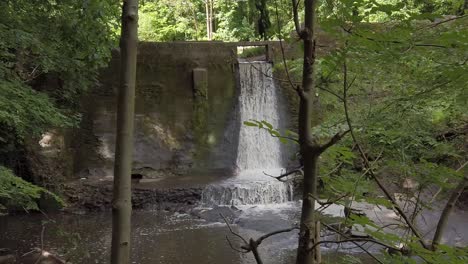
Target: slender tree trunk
(209,24)
(310,153)
(212,24)
(121,204)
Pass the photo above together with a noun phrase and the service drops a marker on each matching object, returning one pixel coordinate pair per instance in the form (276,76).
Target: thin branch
(42,244)
(330,92)
(286,230)
(333,140)
(286,174)
(444,21)
(354,242)
(230,229)
(393,41)
(446,179)
(252,245)
(294,86)
(357,239)
(325,205)
(235,249)
(272,77)
(447,210)
(297,25)
(285,137)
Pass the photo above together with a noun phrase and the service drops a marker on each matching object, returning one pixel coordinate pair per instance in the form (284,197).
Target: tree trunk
(121,204)
(447,210)
(209,14)
(308,112)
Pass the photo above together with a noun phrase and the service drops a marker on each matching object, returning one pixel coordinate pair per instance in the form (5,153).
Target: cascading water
(258,151)
(258,100)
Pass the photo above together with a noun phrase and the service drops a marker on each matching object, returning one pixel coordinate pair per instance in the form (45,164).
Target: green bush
(249,52)
(18,194)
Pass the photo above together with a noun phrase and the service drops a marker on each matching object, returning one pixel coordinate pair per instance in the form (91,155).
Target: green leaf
(251,124)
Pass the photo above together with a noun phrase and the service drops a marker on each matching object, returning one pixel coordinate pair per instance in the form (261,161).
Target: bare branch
(447,210)
(294,86)
(252,244)
(286,230)
(333,140)
(356,239)
(329,201)
(349,31)
(272,77)
(444,21)
(440,188)
(235,249)
(354,242)
(230,229)
(297,25)
(286,174)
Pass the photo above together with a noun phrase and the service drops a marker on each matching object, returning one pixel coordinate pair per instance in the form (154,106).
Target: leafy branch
(388,195)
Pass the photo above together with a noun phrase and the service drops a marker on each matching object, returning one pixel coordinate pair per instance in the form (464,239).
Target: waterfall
(258,100)
(258,151)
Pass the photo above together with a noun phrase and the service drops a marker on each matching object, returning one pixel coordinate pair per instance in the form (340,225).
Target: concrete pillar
(200,83)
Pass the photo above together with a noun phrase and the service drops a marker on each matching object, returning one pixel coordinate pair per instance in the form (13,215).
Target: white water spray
(258,151)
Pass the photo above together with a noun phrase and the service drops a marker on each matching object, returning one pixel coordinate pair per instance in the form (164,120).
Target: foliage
(16,194)
(170,20)
(70,42)
(289,136)
(252,52)
(406,96)
(49,55)
(28,111)
(233,20)
(407,89)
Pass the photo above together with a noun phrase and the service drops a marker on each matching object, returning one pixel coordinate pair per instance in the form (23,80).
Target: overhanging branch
(333,140)
(286,174)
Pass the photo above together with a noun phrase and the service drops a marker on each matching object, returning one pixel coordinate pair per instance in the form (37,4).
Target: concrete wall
(180,127)
(186,120)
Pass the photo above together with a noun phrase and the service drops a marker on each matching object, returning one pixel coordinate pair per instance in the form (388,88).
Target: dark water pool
(157,237)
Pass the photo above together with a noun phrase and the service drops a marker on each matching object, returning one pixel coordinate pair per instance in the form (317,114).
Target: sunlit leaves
(288,137)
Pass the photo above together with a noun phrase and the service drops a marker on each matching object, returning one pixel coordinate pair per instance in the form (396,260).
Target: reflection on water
(157,238)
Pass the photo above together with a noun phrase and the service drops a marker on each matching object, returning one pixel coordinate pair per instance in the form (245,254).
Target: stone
(7,259)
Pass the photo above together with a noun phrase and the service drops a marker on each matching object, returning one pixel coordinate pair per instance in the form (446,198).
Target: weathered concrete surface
(180,127)
(186,121)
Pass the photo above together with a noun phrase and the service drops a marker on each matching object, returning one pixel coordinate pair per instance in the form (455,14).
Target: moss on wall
(179,127)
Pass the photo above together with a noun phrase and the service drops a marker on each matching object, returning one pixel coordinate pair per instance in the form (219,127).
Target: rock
(40,257)
(48,203)
(409,184)
(7,259)
(214,214)
(97,196)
